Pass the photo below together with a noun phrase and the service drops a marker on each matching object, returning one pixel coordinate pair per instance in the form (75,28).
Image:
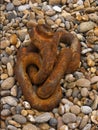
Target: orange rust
(39,68)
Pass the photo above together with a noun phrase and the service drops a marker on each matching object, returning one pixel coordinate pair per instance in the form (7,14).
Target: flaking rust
(39,68)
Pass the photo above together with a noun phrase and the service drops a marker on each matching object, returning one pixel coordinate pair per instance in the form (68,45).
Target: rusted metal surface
(39,67)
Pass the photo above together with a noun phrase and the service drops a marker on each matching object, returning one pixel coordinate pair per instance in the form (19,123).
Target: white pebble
(9,69)
(86,109)
(57,8)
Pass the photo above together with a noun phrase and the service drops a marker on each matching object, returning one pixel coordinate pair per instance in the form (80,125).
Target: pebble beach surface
(78,109)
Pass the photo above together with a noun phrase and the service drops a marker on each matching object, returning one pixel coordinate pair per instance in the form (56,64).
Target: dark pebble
(1,1)
(53,122)
(1,26)
(6,106)
(11,16)
(19,118)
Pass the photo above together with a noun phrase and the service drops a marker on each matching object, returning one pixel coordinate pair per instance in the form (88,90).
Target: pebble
(57,8)
(5,112)
(94,117)
(53,122)
(84,121)
(23,7)
(24,112)
(11,15)
(14,123)
(26,105)
(5,93)
(87,127)
(10,6)
(14,91)
(64,127)
(95,48)
(86,50)
(54,2)
(31,118)
(96,31)
(43,117)
(9,100)
(75,109)
(69,118)
(19,118)
(11,127)
(84,92)
(61,109)
(29,127)
(4,44)
(86,26)
(86,109)
(44,126)
(10,69)
(8,83)
(13,39)
(16,2)
(4,76)
(83,82)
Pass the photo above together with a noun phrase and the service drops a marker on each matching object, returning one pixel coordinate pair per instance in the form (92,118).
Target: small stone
(5,112)
(43,117)
(72,125)
(61,109)
(10,6)
(14,91)
(29,127)
(87,127)
(94,117)
(96,31)
(8,83)
(93,17)
(67,24)
(50,12)
(84,122)
(5,93)
(4,44)
(24,112)
(57,8)
(22,34)
(86,109)
(26,105)
(69,118)
(13,39)
(86,26)
(44,126)
(11,127)
(14,123)
(83,82)
(10,69)
(63,2)
(54,2)
(69,78)
(16,2)
(64,127)
(11,15)
(4,76)
(19,118)
(84,92)
(9,100)
(86,51)
(23,7)
(31,118)
(95,48)
(75,109)
(53,122)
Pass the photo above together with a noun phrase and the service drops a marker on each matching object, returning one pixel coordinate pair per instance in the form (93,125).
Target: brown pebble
(13,39)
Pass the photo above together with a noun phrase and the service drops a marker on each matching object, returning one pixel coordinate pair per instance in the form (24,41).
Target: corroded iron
(39,67)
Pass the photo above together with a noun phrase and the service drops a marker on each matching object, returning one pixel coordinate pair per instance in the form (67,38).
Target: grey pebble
(19,118)
(29,127)
(53,122)
(57,8)
(43,117)
(86,26)
(86,109)
(11,127)
(9,100)
(69,118)
(95,48)
(87,127)
(5,112)
(5,92)
(86,50)
(11,15)
(23,7)
(10,6)
(8,83)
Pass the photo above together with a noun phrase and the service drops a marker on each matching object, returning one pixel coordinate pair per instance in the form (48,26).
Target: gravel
(78,108)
